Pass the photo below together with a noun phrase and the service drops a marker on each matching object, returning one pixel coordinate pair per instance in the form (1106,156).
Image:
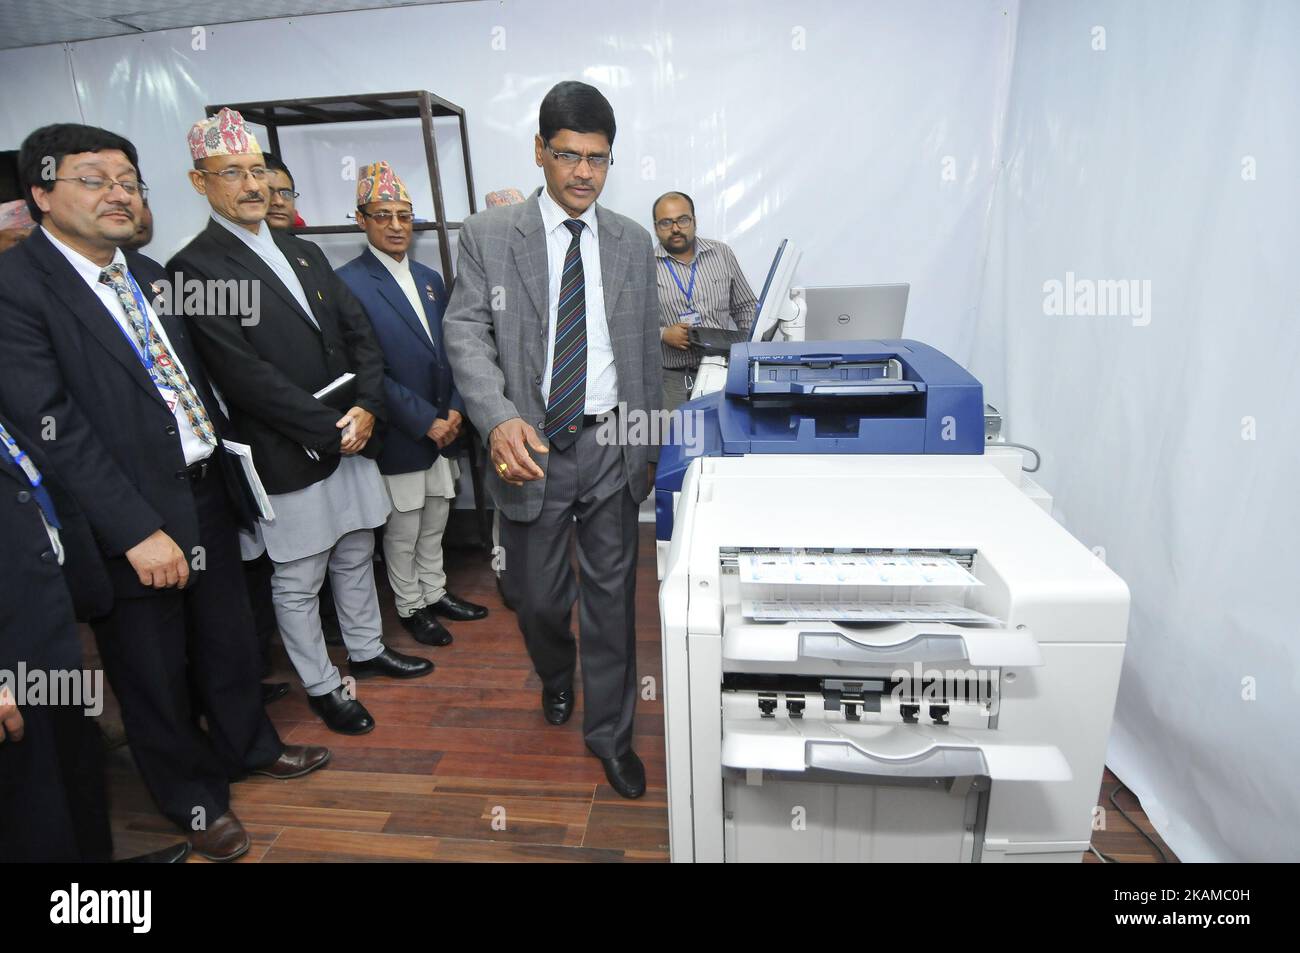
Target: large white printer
(877,645)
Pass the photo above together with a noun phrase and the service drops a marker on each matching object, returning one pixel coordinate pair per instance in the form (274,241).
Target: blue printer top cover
(834,397)
(827,397)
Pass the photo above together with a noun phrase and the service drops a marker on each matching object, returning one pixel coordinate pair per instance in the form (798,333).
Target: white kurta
(313,519)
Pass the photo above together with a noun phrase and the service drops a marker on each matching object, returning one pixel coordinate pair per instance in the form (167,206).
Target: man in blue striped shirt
(700,285)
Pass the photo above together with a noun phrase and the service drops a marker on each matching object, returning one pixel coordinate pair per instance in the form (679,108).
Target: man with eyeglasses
(405,301)
(552,327)
(700,285)
(282,212)
(114,389)
(315,454)
(281,215)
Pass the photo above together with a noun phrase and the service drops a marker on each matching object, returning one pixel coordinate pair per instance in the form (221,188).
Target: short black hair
(276,164)
(667,195)
(576,106)
(56,142)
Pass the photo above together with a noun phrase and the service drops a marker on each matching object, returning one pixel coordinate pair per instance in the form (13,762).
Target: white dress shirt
(193,446)
(602,378)
(401,272)
(265,248)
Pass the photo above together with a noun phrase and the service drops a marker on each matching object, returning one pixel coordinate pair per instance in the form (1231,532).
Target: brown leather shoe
(294,762)
(225,840)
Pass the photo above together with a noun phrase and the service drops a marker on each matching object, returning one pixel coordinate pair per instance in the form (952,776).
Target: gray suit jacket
(495,331)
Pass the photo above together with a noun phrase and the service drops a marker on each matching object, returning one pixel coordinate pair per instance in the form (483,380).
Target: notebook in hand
(340,393)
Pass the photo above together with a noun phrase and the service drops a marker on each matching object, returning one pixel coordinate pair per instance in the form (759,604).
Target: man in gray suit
(553,325)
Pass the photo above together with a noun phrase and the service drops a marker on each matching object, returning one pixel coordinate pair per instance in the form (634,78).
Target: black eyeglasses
(384,217)
(98,183)
(681,221)
(231,176)
(571,160)
(286,194)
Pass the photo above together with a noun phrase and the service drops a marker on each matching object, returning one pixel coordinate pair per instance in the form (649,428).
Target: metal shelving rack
(414,104)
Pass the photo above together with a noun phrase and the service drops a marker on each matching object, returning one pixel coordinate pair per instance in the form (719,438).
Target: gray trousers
(585,483)
(295,589)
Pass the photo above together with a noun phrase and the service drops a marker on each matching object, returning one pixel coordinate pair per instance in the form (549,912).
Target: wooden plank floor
(461,765)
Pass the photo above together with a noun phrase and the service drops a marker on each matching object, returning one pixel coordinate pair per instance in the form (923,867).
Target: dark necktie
(568,396)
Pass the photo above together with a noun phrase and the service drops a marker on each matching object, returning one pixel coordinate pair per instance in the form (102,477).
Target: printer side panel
(676,687)
(1067,702)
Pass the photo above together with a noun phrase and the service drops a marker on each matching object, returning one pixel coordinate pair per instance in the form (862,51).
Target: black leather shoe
(557,706)
(425,628)
(294,762)
(391,664)
(175,854)
(345,715)
(273,690)
(458,610)
(625,773)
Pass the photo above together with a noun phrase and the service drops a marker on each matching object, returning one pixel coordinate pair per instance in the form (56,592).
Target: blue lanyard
(20,458)
(146,357)
(687,290)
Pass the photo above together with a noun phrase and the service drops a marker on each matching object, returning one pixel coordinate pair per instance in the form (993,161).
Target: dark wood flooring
(461,766)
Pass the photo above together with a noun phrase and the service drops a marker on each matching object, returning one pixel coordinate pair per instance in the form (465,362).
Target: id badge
(691,317)
(170,398)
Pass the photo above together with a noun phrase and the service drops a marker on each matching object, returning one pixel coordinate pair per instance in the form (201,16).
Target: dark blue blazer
(418,386)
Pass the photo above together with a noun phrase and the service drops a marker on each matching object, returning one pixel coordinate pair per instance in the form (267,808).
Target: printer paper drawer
(746,643)
(866,751)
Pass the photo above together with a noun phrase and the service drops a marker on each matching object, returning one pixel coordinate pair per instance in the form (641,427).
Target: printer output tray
(862,750)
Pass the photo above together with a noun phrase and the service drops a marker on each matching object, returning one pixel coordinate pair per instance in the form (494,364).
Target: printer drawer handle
(907,642)
(922,647)
(938,762)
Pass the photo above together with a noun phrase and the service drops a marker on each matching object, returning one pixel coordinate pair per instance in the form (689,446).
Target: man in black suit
(130,427)
(280,215)
(53,807)
(52,802)
(314,455)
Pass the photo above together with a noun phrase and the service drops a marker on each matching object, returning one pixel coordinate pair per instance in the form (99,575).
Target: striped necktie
(164,371)
(568,396)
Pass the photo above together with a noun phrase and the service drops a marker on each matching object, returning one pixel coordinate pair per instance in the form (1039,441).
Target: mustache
(252,197)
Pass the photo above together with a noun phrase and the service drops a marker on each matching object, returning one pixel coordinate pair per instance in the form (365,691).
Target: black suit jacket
(35,610)
(69,377)
(269,365)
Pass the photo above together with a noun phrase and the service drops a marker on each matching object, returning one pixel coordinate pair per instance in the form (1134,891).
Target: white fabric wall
(826,122)
(1127,163)
(893,141)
